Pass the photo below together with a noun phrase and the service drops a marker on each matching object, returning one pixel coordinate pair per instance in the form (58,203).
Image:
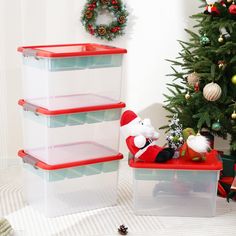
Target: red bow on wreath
(115,29)
(91,29)
(114,2)
(91,7)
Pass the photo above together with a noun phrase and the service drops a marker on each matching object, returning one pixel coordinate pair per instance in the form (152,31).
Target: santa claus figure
(211,7)
(140,139)
(195,148)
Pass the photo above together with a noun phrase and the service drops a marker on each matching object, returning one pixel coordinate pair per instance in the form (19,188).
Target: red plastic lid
(36,163)
(70,50)
(212,162)
(44,111)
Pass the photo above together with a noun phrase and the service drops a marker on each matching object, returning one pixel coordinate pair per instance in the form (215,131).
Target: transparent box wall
(71,137)
(64,83)
(70,190)
(175,192)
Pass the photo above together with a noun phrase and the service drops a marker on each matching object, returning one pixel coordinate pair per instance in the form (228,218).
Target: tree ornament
(204,40)
(233,116)
(221,64)
(224,32)
(212,91)
(187,96)
(234,79)
(175,137)
(193,78)
(211,7)
(229,1)
(104,31)
(196,87)
(216,126)
(232,9)
(221,39)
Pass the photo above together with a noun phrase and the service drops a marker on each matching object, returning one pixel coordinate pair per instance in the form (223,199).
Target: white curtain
(10,123)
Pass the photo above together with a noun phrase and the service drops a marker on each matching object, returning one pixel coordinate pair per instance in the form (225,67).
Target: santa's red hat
(127,117)
(127,120)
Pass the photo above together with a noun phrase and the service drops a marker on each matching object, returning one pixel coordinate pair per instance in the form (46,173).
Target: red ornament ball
(232,9)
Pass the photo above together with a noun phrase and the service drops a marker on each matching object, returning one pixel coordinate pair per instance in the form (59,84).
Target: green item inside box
(74,63)
(74,119)
(150,174)
(74,172)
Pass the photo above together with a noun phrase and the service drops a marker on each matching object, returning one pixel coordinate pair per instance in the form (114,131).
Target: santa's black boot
(165,155)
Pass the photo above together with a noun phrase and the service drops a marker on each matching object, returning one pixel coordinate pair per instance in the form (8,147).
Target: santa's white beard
(198,143)
(147,131)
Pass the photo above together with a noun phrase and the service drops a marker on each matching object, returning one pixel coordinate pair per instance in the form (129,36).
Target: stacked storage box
(177,188)
(71,111)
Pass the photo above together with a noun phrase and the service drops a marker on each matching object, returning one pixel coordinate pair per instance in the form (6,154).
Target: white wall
(152,33)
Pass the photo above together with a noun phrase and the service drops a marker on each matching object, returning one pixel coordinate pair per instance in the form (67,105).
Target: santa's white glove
(139,141)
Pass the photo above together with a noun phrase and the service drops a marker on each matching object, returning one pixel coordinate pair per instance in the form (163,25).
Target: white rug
(103,222)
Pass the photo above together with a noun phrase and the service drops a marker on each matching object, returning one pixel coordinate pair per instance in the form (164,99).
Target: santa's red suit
(140,139)
(147,153)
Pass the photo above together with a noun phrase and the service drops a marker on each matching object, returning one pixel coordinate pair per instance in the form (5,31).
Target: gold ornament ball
(234,79)
(187,96)
(221,39)
(229,1)
(233,116)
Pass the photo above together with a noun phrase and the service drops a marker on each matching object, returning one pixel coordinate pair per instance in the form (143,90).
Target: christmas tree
(175,138)
(203,91)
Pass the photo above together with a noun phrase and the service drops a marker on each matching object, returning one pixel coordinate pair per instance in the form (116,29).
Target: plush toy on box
(195,146)
(141,139)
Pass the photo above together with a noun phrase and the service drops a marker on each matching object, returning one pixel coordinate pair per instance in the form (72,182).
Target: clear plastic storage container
(69,76)
(176,188)
(70,188)
(65,136)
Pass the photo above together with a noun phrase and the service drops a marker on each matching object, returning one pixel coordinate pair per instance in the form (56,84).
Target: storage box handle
(29,52)
(30,160)
(30,107)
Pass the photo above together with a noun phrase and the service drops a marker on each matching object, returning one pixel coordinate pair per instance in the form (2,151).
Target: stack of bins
(71,111)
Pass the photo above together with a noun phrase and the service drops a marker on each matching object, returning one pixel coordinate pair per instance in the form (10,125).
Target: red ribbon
(115,29)
(91,30)
(91,7)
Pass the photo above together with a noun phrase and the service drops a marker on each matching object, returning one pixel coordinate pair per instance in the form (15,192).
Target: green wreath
(107,32)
